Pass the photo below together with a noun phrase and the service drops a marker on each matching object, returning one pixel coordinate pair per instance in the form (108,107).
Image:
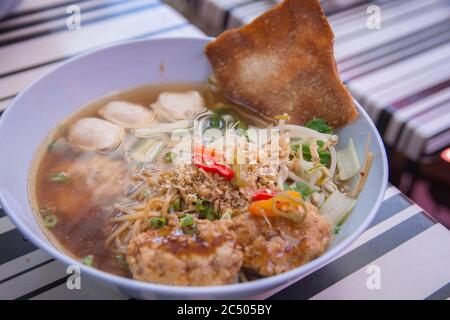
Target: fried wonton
(283,62)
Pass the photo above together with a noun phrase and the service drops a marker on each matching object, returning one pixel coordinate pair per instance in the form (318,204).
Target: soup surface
(174,184)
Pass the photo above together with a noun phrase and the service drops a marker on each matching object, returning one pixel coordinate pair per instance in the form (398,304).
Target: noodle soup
(168,184)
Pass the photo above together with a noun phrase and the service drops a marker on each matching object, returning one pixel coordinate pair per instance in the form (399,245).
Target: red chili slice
(262,194)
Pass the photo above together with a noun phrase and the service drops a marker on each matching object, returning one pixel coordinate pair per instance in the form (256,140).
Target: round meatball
(209,257)
(282,245)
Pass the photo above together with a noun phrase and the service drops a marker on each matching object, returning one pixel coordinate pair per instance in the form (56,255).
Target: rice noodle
(282,176)
(130,216)
(295,178)
(121,228)
(136,228)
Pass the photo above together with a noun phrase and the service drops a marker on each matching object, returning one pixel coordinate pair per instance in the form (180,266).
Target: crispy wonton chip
(283,62)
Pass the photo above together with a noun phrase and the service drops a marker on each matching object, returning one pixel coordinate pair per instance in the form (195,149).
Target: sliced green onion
(148,132)
(187,220)
(204,209)
(169,157)
(215,122)
(88,260)
(176,205)
(60,177)
(50,221)
(121,259)
(201,205)
(157,223)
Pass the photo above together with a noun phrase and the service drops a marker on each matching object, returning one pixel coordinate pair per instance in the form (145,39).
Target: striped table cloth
(409,249)
(399,73)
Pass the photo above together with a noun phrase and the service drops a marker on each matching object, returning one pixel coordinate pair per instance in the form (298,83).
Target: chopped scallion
(121,259)
(187,220)
(176,205)
(88,260)
(60,177)
(204,209)
(157,223)
(169,157)
(50,221)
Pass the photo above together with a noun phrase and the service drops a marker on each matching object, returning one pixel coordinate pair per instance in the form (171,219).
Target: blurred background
(394,56)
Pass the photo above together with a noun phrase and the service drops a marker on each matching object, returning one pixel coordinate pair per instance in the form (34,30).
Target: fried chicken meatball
(209,257)
(284,245)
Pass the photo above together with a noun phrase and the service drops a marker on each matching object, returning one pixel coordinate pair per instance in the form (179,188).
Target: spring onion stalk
(315,175)
(348,161)
(154,151)
(306,133)
(139,150)
(333,164)
(60,177)
(162,128)
(336,207)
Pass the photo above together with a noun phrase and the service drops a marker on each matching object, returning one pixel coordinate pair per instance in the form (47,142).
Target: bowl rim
(259,285)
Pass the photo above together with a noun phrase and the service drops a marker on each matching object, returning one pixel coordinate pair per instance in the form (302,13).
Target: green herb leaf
(320,126)
(50,221)
(60,177)
(157,223)
(187,220)
(303,188)
(324,155)
(88,260)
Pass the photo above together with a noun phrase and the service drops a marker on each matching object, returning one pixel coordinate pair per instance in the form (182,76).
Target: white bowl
(39,108)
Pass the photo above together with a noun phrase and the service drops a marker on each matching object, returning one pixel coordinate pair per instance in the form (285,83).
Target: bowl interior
(43,105)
